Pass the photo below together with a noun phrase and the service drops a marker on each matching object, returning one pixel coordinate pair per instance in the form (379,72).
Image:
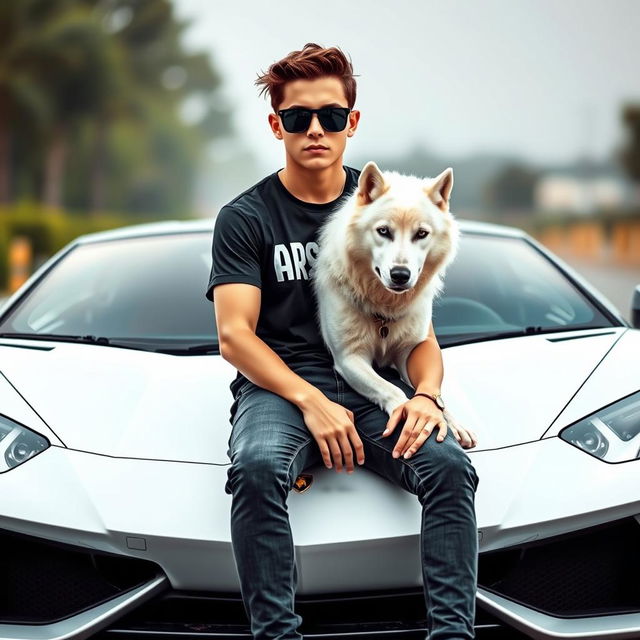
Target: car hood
(510,391)
(125,402)
(136,404)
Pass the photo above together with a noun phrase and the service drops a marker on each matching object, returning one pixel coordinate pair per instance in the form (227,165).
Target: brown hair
(311,62)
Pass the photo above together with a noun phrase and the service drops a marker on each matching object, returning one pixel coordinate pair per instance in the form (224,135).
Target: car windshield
(148,292)
(500,286)
(145,291)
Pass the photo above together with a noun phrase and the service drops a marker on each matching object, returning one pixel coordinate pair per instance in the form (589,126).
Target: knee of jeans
(446,464)
(257,468)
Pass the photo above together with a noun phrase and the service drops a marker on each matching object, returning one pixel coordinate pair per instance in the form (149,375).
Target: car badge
(303,482)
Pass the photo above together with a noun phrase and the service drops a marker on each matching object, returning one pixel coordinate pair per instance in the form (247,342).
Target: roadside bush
(49,230)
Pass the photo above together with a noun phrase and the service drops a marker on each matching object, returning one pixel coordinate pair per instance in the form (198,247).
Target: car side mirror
(635,308)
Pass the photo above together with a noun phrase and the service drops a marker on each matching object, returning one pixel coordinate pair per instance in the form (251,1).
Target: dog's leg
(359,373)
(348,341)
(400,363)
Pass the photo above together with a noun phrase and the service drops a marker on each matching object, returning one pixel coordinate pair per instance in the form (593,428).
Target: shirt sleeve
(236,248)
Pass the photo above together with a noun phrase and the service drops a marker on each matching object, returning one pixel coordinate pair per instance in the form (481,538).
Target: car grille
(584,573)
(370,615)
(43,581)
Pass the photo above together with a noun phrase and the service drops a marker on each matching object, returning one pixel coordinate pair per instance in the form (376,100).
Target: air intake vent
(42,582)
(588,572)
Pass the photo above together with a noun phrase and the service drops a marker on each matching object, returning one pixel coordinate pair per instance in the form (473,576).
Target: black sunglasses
(298,119)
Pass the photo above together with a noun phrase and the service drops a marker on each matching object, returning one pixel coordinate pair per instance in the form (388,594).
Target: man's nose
(314,125)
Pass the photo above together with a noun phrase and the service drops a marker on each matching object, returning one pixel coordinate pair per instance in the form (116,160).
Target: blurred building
(583,189)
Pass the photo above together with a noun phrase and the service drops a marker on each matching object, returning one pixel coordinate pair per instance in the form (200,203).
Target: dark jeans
(270,445)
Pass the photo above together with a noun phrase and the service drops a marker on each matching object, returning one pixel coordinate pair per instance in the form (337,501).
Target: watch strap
(427,395)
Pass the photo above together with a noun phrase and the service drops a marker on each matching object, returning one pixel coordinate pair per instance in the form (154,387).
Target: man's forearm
(262,365)
(425,368)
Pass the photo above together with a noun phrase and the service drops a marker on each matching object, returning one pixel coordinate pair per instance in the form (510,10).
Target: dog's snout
(400,275)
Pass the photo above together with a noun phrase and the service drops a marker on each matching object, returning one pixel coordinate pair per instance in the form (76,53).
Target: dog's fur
(352,275)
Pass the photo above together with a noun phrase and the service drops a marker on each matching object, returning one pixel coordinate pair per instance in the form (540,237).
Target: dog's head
(404,224)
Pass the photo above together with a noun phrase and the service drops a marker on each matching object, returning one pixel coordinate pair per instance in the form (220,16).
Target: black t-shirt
(268,238)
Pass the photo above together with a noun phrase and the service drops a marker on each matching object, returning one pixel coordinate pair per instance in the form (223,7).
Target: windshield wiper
(515,333)
(194,349)
(140,344)
(535,330)
(124,343)
(57,336)
(525,331)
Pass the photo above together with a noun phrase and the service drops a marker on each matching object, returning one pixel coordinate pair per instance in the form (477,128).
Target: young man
(291,408)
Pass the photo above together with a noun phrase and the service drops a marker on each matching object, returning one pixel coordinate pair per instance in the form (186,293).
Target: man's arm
(237,308)
(424,365)
(425,370)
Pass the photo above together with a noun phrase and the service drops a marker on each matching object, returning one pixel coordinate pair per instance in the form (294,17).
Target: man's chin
(317,163)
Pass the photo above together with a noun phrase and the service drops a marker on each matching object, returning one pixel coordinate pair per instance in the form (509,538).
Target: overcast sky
(543,79)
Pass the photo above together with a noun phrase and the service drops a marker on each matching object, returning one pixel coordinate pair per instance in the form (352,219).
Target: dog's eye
(421,233)
(383,231)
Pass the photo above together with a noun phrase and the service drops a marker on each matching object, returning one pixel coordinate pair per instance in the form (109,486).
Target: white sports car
(114,421)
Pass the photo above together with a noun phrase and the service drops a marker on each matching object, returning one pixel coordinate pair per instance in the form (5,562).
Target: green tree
(24,103)
(75,76)
(162,77)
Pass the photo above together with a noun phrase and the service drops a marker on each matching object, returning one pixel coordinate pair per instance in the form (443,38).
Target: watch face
(440,402)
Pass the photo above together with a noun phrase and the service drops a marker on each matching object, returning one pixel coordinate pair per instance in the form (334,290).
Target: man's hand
(333,428)
(421,417)
(237,308)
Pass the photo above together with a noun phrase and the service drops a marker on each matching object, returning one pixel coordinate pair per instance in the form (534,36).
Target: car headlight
(611,434)
(18,444)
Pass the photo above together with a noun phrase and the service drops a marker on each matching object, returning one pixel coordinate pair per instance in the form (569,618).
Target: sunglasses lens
(296,120)
(333,119)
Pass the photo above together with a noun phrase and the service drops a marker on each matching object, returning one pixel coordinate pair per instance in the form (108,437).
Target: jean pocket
(477,479)
(236,400)
(233,408)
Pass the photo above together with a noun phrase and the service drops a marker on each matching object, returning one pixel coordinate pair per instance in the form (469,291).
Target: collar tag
(383,330)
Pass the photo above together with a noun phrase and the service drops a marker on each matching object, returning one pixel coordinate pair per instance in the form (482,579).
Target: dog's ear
(439,189)
(371,184)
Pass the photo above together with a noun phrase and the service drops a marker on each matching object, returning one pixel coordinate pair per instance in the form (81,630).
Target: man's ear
(274,123)
(371,184)
(354,118)
(439,189)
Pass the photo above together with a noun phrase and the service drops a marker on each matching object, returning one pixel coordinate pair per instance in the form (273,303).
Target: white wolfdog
(380,263)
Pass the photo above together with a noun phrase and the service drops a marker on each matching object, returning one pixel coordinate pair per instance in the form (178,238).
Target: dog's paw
(465,437)
(451,421)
